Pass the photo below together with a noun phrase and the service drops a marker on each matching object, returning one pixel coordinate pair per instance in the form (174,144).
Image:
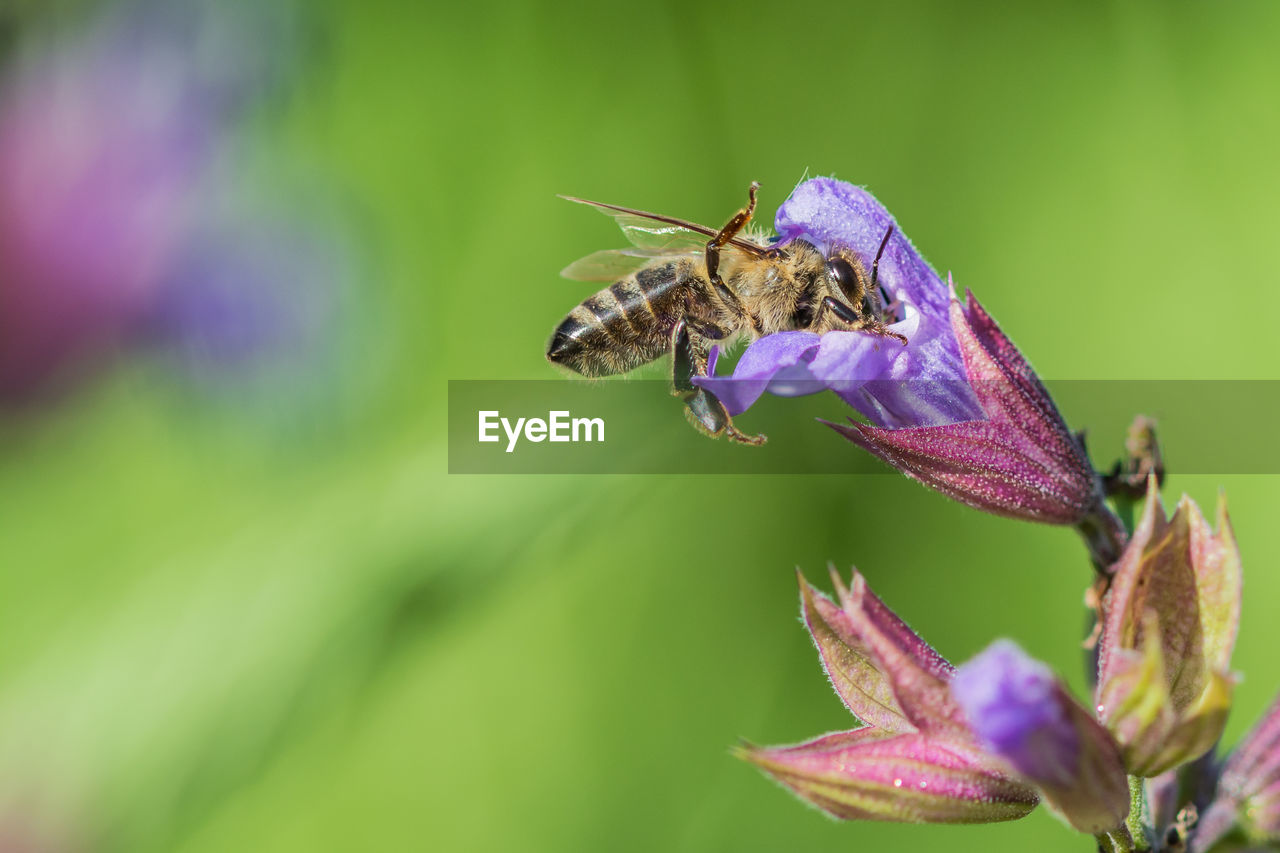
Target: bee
(682,288)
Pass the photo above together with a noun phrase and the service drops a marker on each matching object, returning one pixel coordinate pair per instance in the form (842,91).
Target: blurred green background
(221,632)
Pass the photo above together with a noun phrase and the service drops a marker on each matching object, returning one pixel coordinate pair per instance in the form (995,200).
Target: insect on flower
(683,288)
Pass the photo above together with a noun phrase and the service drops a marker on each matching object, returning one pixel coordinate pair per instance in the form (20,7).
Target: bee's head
(847,275)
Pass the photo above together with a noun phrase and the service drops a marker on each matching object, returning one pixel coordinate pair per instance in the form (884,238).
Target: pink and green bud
(1169,624)
(1018,460)
(1248,793)
(885,674)
(1021,713)
(869,774)
(915,760)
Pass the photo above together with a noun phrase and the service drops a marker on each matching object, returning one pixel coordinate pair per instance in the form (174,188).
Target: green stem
(1104,535)
(1139,814)
(1117,840)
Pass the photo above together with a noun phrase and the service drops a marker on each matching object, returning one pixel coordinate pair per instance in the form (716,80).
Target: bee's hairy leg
(682,360)
(844,312)
(716,243)
(708,415)
(705,412)
(877,327)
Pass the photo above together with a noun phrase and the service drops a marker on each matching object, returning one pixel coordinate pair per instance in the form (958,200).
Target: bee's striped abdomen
(625,325)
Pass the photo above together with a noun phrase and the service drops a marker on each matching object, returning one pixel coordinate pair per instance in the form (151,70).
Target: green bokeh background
(217,637)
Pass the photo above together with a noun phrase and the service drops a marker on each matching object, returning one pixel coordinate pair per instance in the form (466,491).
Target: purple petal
(922,384)
(777,363)
(830,213)
(868,775)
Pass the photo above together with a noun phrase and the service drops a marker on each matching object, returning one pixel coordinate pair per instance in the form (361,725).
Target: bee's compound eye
(842,271)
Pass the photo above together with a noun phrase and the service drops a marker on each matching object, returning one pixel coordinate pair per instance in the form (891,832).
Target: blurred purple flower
(105,137)
(248,298)
(893,386)
(93,175)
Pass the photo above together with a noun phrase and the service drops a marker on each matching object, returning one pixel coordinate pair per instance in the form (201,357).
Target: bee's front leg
(712,255)
(689,351)
(857,321)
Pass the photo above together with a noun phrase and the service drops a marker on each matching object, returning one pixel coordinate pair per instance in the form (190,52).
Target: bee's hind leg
(707,414)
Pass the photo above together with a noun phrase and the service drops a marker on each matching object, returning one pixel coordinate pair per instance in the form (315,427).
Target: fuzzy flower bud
(914,760)
(1169,624)
(1248,793)
(1023,714)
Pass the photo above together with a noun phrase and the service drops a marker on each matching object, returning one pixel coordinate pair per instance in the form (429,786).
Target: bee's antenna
(875,265)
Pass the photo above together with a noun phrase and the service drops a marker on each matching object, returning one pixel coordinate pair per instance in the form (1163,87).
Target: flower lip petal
(777,361)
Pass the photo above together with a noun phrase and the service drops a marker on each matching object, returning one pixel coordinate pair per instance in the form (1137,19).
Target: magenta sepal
(869,774)
(885,674)
(1019,461)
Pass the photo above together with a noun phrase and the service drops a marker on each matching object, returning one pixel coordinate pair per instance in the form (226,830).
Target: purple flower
(921,383)
(958,408)
(93,174)
(106,137)
(250,298)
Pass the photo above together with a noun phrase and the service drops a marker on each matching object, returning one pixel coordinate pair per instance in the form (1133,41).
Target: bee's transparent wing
(662,234)
(613,264)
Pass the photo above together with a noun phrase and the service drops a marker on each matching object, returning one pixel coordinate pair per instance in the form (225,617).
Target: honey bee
(683,287)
